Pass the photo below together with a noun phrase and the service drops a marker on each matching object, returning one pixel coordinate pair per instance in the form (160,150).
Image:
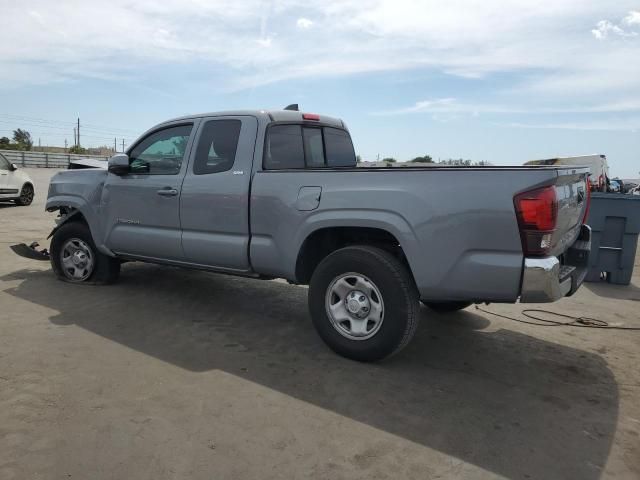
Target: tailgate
(572,195)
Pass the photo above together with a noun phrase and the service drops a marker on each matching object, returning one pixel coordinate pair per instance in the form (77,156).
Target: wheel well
(322,242)
(68,215)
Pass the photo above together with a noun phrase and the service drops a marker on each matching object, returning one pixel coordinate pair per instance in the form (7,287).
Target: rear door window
(339,149)
(284,147)
(217,146)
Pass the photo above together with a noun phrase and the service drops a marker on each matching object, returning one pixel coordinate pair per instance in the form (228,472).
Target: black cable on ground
(583,322)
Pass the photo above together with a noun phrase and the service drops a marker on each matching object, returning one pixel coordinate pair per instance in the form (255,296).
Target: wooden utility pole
(123,145)
(115,145)
(65,144)
(78,131)
(75,137)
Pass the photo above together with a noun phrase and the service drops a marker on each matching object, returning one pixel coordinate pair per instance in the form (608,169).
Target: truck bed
(456,225)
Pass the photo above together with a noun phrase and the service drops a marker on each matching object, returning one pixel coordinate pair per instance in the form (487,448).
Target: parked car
(598,166)
(15,184)
(277,194)
(614,186)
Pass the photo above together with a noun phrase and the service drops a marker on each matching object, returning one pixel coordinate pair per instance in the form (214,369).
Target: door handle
(168,192)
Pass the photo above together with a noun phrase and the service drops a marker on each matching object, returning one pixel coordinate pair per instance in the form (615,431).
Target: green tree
(389,160)
(423,159)
(4,142)
(358,159)
(23,139)
(77,149)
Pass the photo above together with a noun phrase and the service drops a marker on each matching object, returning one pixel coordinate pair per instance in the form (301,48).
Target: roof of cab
(267,115)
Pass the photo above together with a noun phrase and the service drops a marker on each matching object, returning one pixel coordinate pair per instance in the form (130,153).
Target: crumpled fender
(62,221)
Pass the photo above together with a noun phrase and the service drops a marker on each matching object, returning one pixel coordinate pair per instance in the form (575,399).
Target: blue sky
(499,81)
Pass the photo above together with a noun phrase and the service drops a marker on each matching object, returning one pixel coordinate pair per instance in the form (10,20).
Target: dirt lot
(171,374)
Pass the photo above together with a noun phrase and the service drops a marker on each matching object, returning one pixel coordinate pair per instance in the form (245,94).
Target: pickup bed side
(456,226)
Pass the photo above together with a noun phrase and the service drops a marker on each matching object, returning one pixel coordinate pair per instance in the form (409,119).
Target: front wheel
(363,303)
(75,258)
(26,195)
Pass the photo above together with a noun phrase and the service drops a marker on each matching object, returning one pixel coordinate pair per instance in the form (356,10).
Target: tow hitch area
(29,251)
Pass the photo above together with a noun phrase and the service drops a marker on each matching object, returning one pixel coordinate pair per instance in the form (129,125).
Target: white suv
(14,184)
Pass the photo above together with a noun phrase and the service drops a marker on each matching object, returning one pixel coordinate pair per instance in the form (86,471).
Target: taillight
(586,209)
(310,116)
(537,213)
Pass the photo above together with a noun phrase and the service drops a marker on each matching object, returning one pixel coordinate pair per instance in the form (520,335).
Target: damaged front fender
(65,216)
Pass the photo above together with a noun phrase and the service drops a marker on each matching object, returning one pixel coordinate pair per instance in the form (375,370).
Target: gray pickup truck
(278,194)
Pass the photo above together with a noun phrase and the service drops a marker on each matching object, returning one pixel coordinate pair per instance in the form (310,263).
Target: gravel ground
(171,374)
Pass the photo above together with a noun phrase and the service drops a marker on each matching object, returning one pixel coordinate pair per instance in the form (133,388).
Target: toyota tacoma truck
(278,194)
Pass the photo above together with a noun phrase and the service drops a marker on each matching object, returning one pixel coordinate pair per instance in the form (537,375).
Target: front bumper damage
(548,279)
(30,251)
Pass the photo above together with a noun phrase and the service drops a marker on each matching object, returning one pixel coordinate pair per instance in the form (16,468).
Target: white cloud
(304,23)
(604,27)
(454,106)
(265,42)
(633,18)
(254,42)
(615,125)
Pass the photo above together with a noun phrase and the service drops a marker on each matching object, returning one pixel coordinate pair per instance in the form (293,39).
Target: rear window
(313,147)
(284,147)
(340,151)
(297,146)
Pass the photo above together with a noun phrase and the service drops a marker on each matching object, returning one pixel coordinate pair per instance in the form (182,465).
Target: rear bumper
(548,279)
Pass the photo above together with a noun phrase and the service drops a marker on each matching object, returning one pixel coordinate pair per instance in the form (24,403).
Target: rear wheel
(75,258)
(447,307)
(363,303)
(26,195)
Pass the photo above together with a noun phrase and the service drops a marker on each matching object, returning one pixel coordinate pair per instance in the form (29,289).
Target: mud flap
(29,251)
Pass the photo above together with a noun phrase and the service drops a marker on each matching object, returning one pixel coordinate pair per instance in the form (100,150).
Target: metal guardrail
(44,160)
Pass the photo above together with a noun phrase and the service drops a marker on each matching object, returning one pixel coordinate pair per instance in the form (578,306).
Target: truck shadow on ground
(610,290)
(510,403)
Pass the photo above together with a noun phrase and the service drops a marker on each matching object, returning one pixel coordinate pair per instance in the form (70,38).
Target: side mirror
(13,167)
(119,164)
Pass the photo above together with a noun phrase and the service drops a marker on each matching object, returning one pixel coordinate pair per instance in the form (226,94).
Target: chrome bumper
(548,279)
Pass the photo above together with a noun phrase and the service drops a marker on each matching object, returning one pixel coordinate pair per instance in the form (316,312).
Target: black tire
(399,296)
(26,195)
(447,307)
(105,269)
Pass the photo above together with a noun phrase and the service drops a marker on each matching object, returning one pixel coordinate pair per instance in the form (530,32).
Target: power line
(38,122)
(65,129)
(60,134)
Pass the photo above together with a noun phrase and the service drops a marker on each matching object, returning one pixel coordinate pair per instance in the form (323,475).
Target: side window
(217,146)
(340,152)
(162,152)
(313,147)
(284,147)
(4,163)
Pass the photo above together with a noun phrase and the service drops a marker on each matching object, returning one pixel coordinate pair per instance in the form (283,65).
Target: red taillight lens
(310,116)
(537,213)
(586,210)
